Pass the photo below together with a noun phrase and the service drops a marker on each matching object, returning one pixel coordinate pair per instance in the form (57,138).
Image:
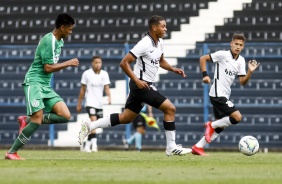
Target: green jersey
(47,52)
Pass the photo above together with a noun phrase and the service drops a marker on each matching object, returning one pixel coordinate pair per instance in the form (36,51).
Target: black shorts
(137,97)
(94,112)
(222,107)
(139,121)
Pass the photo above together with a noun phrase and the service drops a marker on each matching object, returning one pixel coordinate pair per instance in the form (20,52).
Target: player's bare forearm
(203,62)
(81,93)
(125,65)
(164,64)
(59,66)
(150,111)
(252,66)
(108,93)
(244,80)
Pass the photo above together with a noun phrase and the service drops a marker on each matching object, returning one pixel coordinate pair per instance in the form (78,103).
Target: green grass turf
(56,167)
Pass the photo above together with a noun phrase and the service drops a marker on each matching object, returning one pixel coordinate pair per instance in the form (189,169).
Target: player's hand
(206,79)
(179,72)
(78,108)
(73,62)
(253,65)
(142,84)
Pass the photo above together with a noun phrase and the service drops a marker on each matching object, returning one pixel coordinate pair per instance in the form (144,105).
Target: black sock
(170,126)
(91,136)
(218,130)
(114,119)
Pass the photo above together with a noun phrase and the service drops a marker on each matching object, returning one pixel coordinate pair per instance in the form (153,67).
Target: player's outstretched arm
(59,66)
(164,64)
(203,66)
(108,93)
(252,66)
(80,97)
(125,65)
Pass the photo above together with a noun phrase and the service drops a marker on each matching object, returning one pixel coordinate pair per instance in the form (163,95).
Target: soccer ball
(248,145)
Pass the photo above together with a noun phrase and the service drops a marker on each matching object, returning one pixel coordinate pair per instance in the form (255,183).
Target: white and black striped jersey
(226,69)
(147,55)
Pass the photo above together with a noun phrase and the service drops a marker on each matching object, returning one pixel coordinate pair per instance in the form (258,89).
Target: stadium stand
(24,22)
(108,21)
(259,21)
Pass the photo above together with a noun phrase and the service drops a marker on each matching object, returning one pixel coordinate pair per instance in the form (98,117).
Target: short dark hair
(96,57)
(155,20)
(238,36)
(64,19)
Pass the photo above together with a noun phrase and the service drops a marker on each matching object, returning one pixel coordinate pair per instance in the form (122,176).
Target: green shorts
(39,97)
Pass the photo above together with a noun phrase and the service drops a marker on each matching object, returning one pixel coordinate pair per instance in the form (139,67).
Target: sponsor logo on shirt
(230,73)
(155,61)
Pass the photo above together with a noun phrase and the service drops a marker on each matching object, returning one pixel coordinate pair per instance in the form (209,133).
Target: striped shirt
(147,55)
(226,69)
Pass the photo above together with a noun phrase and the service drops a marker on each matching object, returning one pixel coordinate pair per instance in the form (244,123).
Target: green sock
(52,118)
(24,137)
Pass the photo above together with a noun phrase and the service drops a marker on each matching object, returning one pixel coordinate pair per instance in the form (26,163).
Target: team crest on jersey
(92,111)
(229,103)
(35,103)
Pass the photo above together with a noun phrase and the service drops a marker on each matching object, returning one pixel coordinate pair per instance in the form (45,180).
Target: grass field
(56,167)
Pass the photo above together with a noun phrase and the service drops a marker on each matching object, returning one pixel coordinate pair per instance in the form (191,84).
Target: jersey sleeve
(217,56)
(107,79)
(47,52)
(83,78)
(139,49)
(242,68)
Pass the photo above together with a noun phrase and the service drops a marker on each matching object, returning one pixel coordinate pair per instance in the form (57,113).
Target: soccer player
(229,64)
(149,56)
(38,92)
(139,124)
(94,81)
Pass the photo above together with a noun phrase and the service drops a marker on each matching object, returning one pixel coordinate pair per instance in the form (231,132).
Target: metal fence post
(127,126)
(52,127)
(206,89)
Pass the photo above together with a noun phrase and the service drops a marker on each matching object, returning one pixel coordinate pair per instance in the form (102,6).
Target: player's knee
(170,109)
(66,115)
(235,120)
(125,119)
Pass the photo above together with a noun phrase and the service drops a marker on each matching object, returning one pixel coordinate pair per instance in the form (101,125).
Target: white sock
(214,136)
(202,143)
(170,139)
(94,142)
(100,123)
(221,123)
(87,145)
